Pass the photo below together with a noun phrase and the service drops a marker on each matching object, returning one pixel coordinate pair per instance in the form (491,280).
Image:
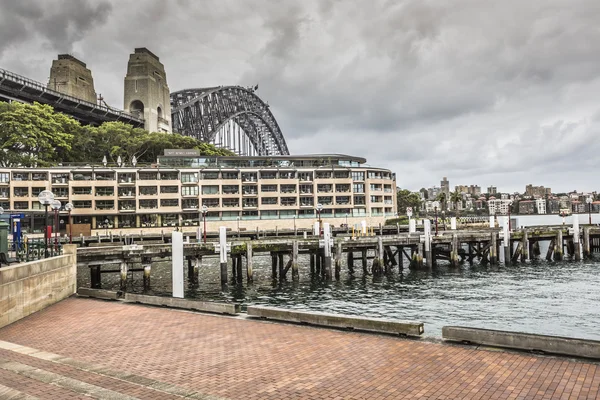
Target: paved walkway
(82,348)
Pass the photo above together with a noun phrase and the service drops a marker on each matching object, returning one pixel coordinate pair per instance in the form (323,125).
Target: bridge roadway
(15,87)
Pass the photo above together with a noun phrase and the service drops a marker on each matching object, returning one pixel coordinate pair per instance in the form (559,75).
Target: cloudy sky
(483,92)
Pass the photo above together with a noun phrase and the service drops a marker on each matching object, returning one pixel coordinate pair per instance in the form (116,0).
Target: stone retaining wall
(29,287)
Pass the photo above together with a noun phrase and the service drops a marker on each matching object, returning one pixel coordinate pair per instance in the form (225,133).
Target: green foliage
(35,135)
(400,220)
(443,199)
(406,198)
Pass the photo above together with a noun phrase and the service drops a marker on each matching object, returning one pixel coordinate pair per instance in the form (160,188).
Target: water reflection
(549,298)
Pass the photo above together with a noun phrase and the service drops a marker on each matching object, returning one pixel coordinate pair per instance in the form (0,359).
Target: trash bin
(4,227)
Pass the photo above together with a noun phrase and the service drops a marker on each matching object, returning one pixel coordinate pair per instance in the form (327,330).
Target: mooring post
(524,246)
(454,251)
(493,251)
(378,260)
(177,263)
(350,261)
(319,260)
(239,269)
(506,241)
(197,263)
(338,260)
(586,242)
(419,255)
(427,244)
(190,269)
(327,250)
(281,266)
(223,253)
(558,246)
(273,265)
(364,261)
(123,275)
(234,267)
(576,242)
(295,274)
(249,266)
(312,262)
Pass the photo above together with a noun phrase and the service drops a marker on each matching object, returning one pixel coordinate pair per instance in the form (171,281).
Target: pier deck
(154,353)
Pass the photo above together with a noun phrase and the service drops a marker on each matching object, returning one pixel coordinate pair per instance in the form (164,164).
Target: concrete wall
(30,287)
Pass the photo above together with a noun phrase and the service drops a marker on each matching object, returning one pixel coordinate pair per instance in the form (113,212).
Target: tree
(34,135)
(442,198)
(455,198)
(406,198)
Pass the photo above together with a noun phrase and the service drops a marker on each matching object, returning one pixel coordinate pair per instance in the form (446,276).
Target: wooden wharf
(377,254)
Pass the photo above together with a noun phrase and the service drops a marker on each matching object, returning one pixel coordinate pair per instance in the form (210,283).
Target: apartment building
(252,191)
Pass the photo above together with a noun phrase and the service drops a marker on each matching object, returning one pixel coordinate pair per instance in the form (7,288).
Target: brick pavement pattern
(235,358)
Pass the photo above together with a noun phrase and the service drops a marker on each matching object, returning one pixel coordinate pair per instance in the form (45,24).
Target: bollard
(249,266)
(223,253)
(327,250)
(177,263)
(558,246)
(295,275)
(338,260)
(123,276)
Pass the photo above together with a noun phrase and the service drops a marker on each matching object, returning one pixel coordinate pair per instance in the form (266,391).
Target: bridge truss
(230,117)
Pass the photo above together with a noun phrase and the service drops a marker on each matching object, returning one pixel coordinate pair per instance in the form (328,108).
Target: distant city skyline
(499,94)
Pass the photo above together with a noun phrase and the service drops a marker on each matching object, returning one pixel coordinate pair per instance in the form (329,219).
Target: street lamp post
(45,198)
(319,208)
(589,203)
(204,212)
(56,206)
(69,207)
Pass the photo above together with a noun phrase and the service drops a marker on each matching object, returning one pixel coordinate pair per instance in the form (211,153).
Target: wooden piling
(249,266)
(234,261)
(364,261)
(239,269)
(190,270)
(295,274)
(274,265)
(558,246)
(350,261)
(338,260)
(454,251)
(586,243)
(281,266)
(123,276)
(524,246)
(312,262)
(550,251)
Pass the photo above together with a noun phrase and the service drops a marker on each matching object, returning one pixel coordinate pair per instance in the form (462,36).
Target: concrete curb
(380,325)
(524,341)
(194,305)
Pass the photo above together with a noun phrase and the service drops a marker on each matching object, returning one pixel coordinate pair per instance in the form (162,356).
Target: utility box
(4,227)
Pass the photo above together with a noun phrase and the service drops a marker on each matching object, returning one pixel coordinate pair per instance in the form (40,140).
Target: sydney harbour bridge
(231,117)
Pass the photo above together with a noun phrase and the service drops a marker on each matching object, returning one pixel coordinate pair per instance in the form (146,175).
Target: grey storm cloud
(482,92)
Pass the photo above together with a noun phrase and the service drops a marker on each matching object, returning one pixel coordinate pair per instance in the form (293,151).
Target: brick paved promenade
(85,347)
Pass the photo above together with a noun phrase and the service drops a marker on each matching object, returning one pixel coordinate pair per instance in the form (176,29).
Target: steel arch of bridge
(232,117)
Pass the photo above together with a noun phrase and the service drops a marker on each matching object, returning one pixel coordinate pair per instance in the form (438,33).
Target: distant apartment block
(499,206)
(540,205)
(253,191)
(445,185)
(536,191)
(527,207)
(492,190)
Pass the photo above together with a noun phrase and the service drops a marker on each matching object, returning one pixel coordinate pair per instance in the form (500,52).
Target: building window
(105,191)
(148,176)
(268,175)
(288,188)
(231,202)
(58,192)
(148,190)
(325,200)
(359,200)
(231,189)
(268,200)
(21,192)
(82,190)
(341,174)
(287,175)
(126,192)
(82,204)
(127,205)
(105,204)
(189,177)
(148,204)
(169,189)
(40,176)
(20,176)
(210,175)
(306,189)
(169,202)
(358,188)
(189,190)
(169,176)
(212,189)
(21,205)
(375,187)
(305,176)
(288,201)
(251,202)
(4,177)
(324,188)
(342,200)
(189,203)
(105,176)
(323,174)
(249,190)
(211,203)
(358,176)
(342,188)
(230,175)
(268,188)
(249,177)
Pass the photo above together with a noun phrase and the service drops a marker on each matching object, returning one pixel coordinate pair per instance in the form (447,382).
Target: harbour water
(559,298)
